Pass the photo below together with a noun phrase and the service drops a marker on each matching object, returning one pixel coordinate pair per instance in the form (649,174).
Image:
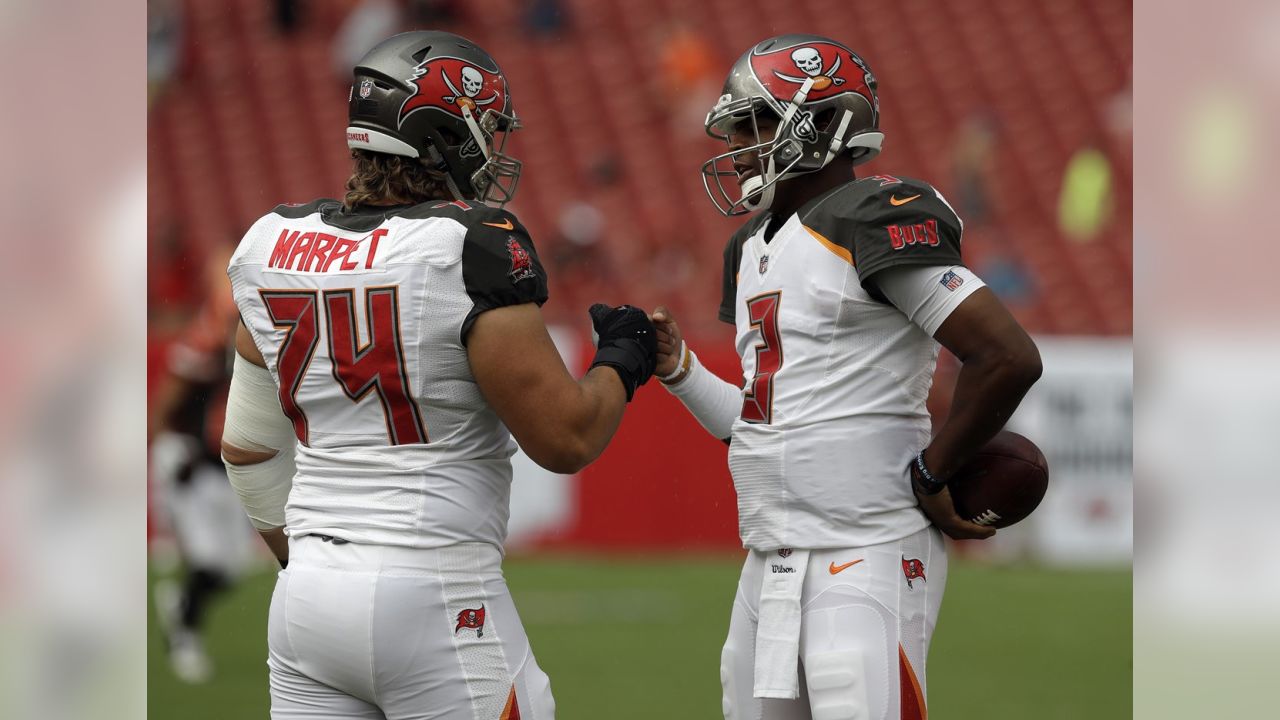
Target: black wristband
(627,358)
(284,564)
(922,480)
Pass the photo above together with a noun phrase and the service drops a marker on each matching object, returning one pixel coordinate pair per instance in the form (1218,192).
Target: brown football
(1003,483)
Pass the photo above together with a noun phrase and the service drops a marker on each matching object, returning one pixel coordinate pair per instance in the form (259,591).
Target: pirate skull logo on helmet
(808,60)
(472,81)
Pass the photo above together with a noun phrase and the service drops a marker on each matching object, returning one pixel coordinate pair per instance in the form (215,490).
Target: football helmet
(821,95)
(440,97)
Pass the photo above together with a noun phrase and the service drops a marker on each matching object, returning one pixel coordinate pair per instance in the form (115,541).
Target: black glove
(627,343)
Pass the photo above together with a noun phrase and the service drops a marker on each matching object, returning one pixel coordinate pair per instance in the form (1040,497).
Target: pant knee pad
(728,682)
(837,686)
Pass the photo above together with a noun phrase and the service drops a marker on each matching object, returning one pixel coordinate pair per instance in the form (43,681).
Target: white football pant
(867,615)
(371,631)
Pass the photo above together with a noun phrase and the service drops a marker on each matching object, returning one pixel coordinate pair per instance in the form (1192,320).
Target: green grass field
(639,638)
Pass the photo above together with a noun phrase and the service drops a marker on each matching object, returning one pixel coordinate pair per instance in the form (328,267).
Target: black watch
(922,480)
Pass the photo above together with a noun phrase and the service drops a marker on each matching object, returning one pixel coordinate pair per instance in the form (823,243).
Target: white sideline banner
(1080,414)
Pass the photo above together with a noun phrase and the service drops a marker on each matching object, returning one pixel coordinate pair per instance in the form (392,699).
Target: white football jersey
(362,318)
(835,377)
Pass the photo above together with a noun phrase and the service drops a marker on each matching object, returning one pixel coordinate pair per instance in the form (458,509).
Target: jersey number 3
(757,399)
(377,367)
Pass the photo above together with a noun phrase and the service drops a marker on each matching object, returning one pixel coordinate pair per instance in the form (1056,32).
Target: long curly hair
(380,177)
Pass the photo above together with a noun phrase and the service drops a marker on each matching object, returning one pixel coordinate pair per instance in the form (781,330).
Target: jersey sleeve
(500,266)
(928,295)
(904,223)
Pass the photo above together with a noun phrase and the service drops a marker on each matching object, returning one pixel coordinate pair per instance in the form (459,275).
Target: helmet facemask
(806,140)
(478,166)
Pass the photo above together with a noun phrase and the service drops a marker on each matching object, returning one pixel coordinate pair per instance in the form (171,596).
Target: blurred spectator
(692,75)
(577,257)
(1120,111)
(164,44)
(170,293)
(605,170)
(368,23)
(973,161)
(431,14)
(581,223)
(1084,205)
(1007,278)
(545,18)
(286,16)
(184,428)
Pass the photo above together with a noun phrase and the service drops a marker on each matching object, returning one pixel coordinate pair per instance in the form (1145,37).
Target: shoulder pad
(871,200)
(300,210)
(885,220)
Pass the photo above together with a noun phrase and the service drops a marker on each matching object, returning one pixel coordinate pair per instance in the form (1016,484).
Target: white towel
(778,631)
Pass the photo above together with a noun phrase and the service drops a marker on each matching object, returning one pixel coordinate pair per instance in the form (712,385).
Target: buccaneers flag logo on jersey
(834,71)
(521,262)
(450,84)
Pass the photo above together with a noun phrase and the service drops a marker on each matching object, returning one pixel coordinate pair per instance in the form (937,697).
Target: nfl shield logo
(366,87)
(951,281)
(764,263)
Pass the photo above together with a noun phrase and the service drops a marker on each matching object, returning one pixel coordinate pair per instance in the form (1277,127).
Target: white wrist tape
(715,403)
(256,422)
(681,366)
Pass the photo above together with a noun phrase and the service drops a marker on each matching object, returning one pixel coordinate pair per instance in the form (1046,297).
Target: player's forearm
(714,403)
(278,542)
(581,423)
(988,389)
(257,445)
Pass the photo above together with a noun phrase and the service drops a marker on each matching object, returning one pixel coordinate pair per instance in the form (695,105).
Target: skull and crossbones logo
(472,83)
(809,61)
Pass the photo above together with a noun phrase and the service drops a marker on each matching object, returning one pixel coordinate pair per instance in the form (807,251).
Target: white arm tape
(927,294)
(264,488)
(256,422)
(712,401)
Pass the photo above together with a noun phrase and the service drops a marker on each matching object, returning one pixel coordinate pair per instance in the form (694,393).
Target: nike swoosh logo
(893,200)
(834,568)
(506,224)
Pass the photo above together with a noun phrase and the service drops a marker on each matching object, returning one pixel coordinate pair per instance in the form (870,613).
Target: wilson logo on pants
(473,619)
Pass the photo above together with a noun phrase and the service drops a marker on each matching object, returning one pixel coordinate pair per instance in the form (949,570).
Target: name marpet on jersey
(319,252)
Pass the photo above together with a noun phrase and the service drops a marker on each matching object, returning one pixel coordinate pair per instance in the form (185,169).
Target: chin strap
(753,198)
(771,177)
(837,140)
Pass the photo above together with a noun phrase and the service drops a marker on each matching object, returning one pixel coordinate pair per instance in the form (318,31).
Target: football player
(841,291)
(391,346)
(185,423)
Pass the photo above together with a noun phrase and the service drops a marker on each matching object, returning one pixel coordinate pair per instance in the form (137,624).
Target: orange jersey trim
(842,253)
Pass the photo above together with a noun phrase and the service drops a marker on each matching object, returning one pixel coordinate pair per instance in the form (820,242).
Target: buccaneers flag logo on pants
(473,619)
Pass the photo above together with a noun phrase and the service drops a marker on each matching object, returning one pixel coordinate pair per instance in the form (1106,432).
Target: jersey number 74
(377,367)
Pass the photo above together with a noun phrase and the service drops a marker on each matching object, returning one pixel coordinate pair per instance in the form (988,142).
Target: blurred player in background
(841,290)
(208,525)
(391,346)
